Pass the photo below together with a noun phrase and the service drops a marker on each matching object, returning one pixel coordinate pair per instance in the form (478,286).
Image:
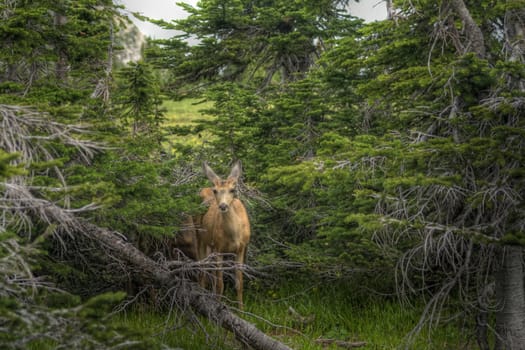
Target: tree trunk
(510,296)
(475,41)
(389,9)
(62,64)
(202,302)
(515,43)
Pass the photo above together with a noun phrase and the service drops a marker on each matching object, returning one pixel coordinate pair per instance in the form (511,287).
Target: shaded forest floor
(301,316)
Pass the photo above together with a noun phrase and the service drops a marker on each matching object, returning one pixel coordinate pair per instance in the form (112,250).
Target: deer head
(224,190)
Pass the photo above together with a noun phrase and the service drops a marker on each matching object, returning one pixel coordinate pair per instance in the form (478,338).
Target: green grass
(159,330)
(331,312)
(380,322)
(184,112)
(182,116)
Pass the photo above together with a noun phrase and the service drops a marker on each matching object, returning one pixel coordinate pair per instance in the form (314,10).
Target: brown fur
(226,227)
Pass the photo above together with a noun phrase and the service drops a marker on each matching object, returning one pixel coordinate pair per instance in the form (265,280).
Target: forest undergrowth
(382,174)
(304,313)
(310,316)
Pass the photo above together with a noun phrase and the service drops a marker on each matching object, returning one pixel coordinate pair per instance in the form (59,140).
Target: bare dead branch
(171,276)
(186,292)
(31,134)
(28,132)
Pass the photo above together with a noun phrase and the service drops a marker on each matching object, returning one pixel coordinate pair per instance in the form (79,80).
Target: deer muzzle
(223,207)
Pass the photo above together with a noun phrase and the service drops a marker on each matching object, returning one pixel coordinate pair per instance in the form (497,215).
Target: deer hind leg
(219,282)
(202,253)
(240,258)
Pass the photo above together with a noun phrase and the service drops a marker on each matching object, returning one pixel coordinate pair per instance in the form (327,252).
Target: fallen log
(22,207)
(202,302)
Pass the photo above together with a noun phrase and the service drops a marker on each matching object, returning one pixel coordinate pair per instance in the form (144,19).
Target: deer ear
(236,171)
(210,173)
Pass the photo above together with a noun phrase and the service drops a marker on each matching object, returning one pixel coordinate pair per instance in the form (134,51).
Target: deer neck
(231,222)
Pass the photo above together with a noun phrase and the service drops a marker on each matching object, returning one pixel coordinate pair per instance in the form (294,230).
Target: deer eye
(214,191)
(232,191)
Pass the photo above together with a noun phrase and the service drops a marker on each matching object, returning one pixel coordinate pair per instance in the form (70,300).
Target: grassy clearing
(180,120)
(154,328)
(335,314)
(184,112)
(328,312)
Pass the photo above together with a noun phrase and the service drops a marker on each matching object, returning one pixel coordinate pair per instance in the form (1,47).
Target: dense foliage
(390,153)
(67,152)
(264,42)
(402,143)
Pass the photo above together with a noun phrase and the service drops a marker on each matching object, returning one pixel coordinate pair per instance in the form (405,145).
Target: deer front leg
(241,254)
(202,253)
(219,283)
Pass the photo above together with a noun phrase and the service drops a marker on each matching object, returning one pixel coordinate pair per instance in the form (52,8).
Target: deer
(225,227)
(185,241)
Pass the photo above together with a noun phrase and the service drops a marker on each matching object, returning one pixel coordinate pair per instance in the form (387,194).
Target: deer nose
(223,207)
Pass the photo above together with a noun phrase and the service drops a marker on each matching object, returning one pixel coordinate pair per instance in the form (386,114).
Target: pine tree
(438,179)
(414,144)
(139,99)
(54,45)
(257,42)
